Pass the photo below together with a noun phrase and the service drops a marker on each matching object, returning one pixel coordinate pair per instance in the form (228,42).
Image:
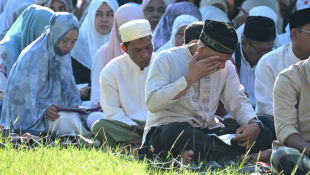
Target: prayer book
(82,111)
(224,138)
(80,86)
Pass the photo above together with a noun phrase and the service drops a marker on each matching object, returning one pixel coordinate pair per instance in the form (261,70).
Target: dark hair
(193,31)
(127,43)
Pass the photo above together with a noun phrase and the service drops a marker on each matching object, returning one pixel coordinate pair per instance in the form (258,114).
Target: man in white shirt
(272,63)
(122,86)
(182,95)
(257,39)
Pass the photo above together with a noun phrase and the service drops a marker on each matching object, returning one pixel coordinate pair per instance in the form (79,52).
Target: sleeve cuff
(286,131)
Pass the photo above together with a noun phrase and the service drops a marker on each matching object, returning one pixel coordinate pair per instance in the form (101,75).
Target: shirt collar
(131,63)
(188,52)
(308,69)
(291,54)
(243,58)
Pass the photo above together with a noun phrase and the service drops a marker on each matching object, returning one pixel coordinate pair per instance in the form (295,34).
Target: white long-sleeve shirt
(247,77)
(122,87)
(166,80)
(267,70)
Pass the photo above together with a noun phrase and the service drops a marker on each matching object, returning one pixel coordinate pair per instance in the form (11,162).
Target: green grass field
(56,160)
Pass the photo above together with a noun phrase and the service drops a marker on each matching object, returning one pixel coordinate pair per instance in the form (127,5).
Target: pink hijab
(124,14)
(111,49)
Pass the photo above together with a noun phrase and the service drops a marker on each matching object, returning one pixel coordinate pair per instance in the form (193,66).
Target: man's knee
(284,159)
(93,118)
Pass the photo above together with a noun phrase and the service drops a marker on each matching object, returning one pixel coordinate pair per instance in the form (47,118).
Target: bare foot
(264,156)
(187,156)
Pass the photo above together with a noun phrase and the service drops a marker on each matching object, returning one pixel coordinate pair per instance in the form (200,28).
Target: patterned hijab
(42,76)
(162,32)
(27,28)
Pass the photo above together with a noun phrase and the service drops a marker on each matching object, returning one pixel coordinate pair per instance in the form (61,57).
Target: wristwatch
(260,124)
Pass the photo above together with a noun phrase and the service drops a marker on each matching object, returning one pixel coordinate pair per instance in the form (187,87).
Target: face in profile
(104,19)
(68,41)
(179,36)
(153,11)
(58,6)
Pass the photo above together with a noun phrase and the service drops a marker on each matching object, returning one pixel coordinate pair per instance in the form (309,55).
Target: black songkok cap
(260,28)
(299,18)
(219,36)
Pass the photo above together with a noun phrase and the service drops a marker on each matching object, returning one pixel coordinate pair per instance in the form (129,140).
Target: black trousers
(178,137)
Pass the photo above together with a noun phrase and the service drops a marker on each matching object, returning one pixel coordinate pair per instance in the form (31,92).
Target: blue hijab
(42,76)
(27,28)
(162,32)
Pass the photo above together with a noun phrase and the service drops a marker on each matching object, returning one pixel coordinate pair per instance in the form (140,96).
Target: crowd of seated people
(162,76)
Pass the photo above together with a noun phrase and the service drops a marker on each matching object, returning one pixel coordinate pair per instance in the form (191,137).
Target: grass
(56,160)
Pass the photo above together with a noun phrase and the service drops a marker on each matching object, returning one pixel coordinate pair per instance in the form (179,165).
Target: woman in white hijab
(177,34)
(94,32)
(153,10)
(220,4)
(261,11)
(213,13)
(7,16)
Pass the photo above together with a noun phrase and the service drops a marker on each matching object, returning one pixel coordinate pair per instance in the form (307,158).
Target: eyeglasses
(261,51)
(304,30)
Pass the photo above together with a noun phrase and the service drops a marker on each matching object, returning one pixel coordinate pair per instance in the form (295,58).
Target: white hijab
(89,40)
(213,13)
(180,21)
(204,3)
(146,2)
(7,16)
(262,11)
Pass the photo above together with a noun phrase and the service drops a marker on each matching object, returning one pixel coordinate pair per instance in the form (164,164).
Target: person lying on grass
(183,89)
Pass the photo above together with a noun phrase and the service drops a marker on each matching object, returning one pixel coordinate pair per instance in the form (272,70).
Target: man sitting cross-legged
(183,89)
(291,104)
(122,86)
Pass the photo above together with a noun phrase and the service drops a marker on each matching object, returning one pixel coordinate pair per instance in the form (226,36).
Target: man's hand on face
(246,135)
(198,69)
(51,113)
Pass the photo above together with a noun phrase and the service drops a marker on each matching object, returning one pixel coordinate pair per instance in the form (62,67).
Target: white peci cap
(135,29)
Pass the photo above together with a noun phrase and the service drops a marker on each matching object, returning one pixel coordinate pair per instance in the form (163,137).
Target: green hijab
(27,28)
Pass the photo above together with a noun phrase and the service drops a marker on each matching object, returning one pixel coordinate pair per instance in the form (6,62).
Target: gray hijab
(42,76)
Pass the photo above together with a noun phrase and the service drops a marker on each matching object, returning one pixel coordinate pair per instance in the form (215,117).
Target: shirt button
(207,90)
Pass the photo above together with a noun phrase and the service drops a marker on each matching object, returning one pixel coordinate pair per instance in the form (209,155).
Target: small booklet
(80,86)
(82,111)
(224,138)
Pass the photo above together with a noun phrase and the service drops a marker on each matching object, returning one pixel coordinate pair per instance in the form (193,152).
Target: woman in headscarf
(213,13)
(220,4)
(29,26)
(41,81)
(261,11)
(162,32)
(18,12)
(94,32)
(60,5)
(177,35)
(7,16)
(112,49)
(249,4)
(153,10)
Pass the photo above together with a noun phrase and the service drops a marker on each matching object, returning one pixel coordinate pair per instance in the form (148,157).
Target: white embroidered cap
(135,29)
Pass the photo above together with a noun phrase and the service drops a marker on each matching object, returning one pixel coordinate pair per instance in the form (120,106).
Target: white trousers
(93,117)
(68,123)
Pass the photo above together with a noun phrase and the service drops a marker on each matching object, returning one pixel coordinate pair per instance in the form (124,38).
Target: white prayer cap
(135,29)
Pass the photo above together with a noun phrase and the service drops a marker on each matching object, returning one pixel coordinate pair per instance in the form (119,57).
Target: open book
(224,138)
(82,111)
